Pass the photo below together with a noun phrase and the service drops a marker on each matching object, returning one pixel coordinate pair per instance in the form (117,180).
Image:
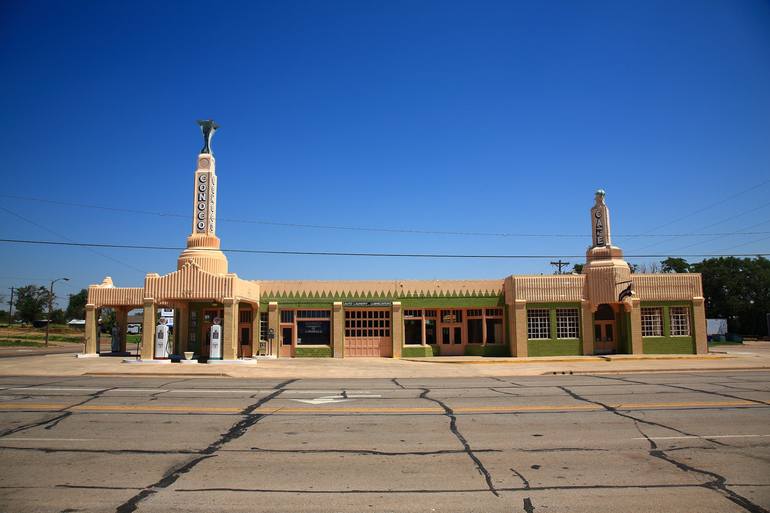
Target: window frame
(567,315)
(646,319)
(685,314)
(539,314)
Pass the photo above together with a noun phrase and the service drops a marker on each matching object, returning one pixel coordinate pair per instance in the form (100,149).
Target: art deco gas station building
(606,309)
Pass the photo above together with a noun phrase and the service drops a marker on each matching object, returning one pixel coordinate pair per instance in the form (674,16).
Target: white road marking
(56,389)
(215,391)
(48,439)
(153,390)
(324,400)
(701,437)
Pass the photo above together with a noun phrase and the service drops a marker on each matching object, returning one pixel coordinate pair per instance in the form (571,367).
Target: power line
(353,254)
(710,206)
(57,234)
(371,228)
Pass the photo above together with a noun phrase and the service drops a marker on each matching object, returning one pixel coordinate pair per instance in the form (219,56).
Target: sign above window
(366,304)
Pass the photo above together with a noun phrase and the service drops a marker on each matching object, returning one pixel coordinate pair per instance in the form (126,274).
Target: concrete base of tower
(204,251)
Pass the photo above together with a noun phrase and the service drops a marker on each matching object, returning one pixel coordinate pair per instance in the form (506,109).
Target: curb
(158,374)
(588,359)
(655,371)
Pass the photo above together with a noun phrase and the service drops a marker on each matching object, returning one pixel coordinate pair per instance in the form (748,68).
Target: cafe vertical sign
(600,221)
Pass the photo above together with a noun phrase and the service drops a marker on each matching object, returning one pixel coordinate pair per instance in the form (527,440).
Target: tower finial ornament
(208,127)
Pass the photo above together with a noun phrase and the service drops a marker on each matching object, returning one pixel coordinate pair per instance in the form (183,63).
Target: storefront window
(430,331)
(494,331)
(475,330)
(313,332)
(413,331)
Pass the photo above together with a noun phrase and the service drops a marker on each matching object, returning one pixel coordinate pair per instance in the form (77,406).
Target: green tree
(31,302)
(737,289)
(674,265)
(578,268)
(108,319)
(76,309)
(58,317)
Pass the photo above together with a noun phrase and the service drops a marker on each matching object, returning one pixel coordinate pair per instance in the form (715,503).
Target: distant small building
(79,324)
(716,327)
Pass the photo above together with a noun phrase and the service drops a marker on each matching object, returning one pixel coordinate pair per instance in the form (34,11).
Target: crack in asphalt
(236,431)
(51,423)
(370,452)
(520,476)
(528,507)
(52,450)
(454,490)
(456,432)
(682,387)
(644,421)
(718,484)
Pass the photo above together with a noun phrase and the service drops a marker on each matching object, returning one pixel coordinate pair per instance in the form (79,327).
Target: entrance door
(287,336)
(245,341)
(451,338)
(605,337)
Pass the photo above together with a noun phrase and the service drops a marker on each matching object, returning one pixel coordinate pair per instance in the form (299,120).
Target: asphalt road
(631,443)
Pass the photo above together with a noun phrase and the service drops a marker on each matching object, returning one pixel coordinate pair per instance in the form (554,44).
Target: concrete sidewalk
(748,356)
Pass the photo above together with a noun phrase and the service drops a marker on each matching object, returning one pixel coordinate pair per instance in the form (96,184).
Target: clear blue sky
(459,116)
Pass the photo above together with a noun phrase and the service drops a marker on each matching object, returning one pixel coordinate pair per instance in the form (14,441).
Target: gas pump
(161,340)
(215,348)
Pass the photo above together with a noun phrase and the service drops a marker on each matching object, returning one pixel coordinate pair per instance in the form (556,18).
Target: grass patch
(416,351)
(19,343)
(489,350)
(313,352)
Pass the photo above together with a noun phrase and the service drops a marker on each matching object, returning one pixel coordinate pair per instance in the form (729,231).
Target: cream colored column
(699,325)
(230,329)
(148,329)
(182,327)
(483,327)
(587,327)
(519,334)
(637,345)
(254,329)
(397,328)
(92,331)
(273,323)
(121,317)
(338,330)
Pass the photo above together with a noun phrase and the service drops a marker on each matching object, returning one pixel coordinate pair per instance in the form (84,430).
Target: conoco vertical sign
(205,209)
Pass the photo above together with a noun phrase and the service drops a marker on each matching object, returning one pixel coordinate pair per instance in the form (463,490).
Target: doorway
(605,330)
(450,332)
(287,337)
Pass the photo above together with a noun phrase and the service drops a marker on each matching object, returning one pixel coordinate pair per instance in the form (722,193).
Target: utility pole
(10,309)
(50,307)
(559,264)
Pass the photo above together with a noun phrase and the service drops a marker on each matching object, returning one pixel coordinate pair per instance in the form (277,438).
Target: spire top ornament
(208,127)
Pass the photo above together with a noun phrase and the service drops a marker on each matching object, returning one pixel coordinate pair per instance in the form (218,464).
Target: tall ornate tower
(203,244)
(608,273)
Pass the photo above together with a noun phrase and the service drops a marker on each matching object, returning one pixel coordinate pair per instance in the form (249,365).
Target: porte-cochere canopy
(190,283)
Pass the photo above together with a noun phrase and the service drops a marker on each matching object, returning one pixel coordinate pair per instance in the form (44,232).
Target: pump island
(219,316)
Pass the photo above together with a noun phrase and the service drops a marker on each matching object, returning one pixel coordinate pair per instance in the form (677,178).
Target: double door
(451,340)
(605,337)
